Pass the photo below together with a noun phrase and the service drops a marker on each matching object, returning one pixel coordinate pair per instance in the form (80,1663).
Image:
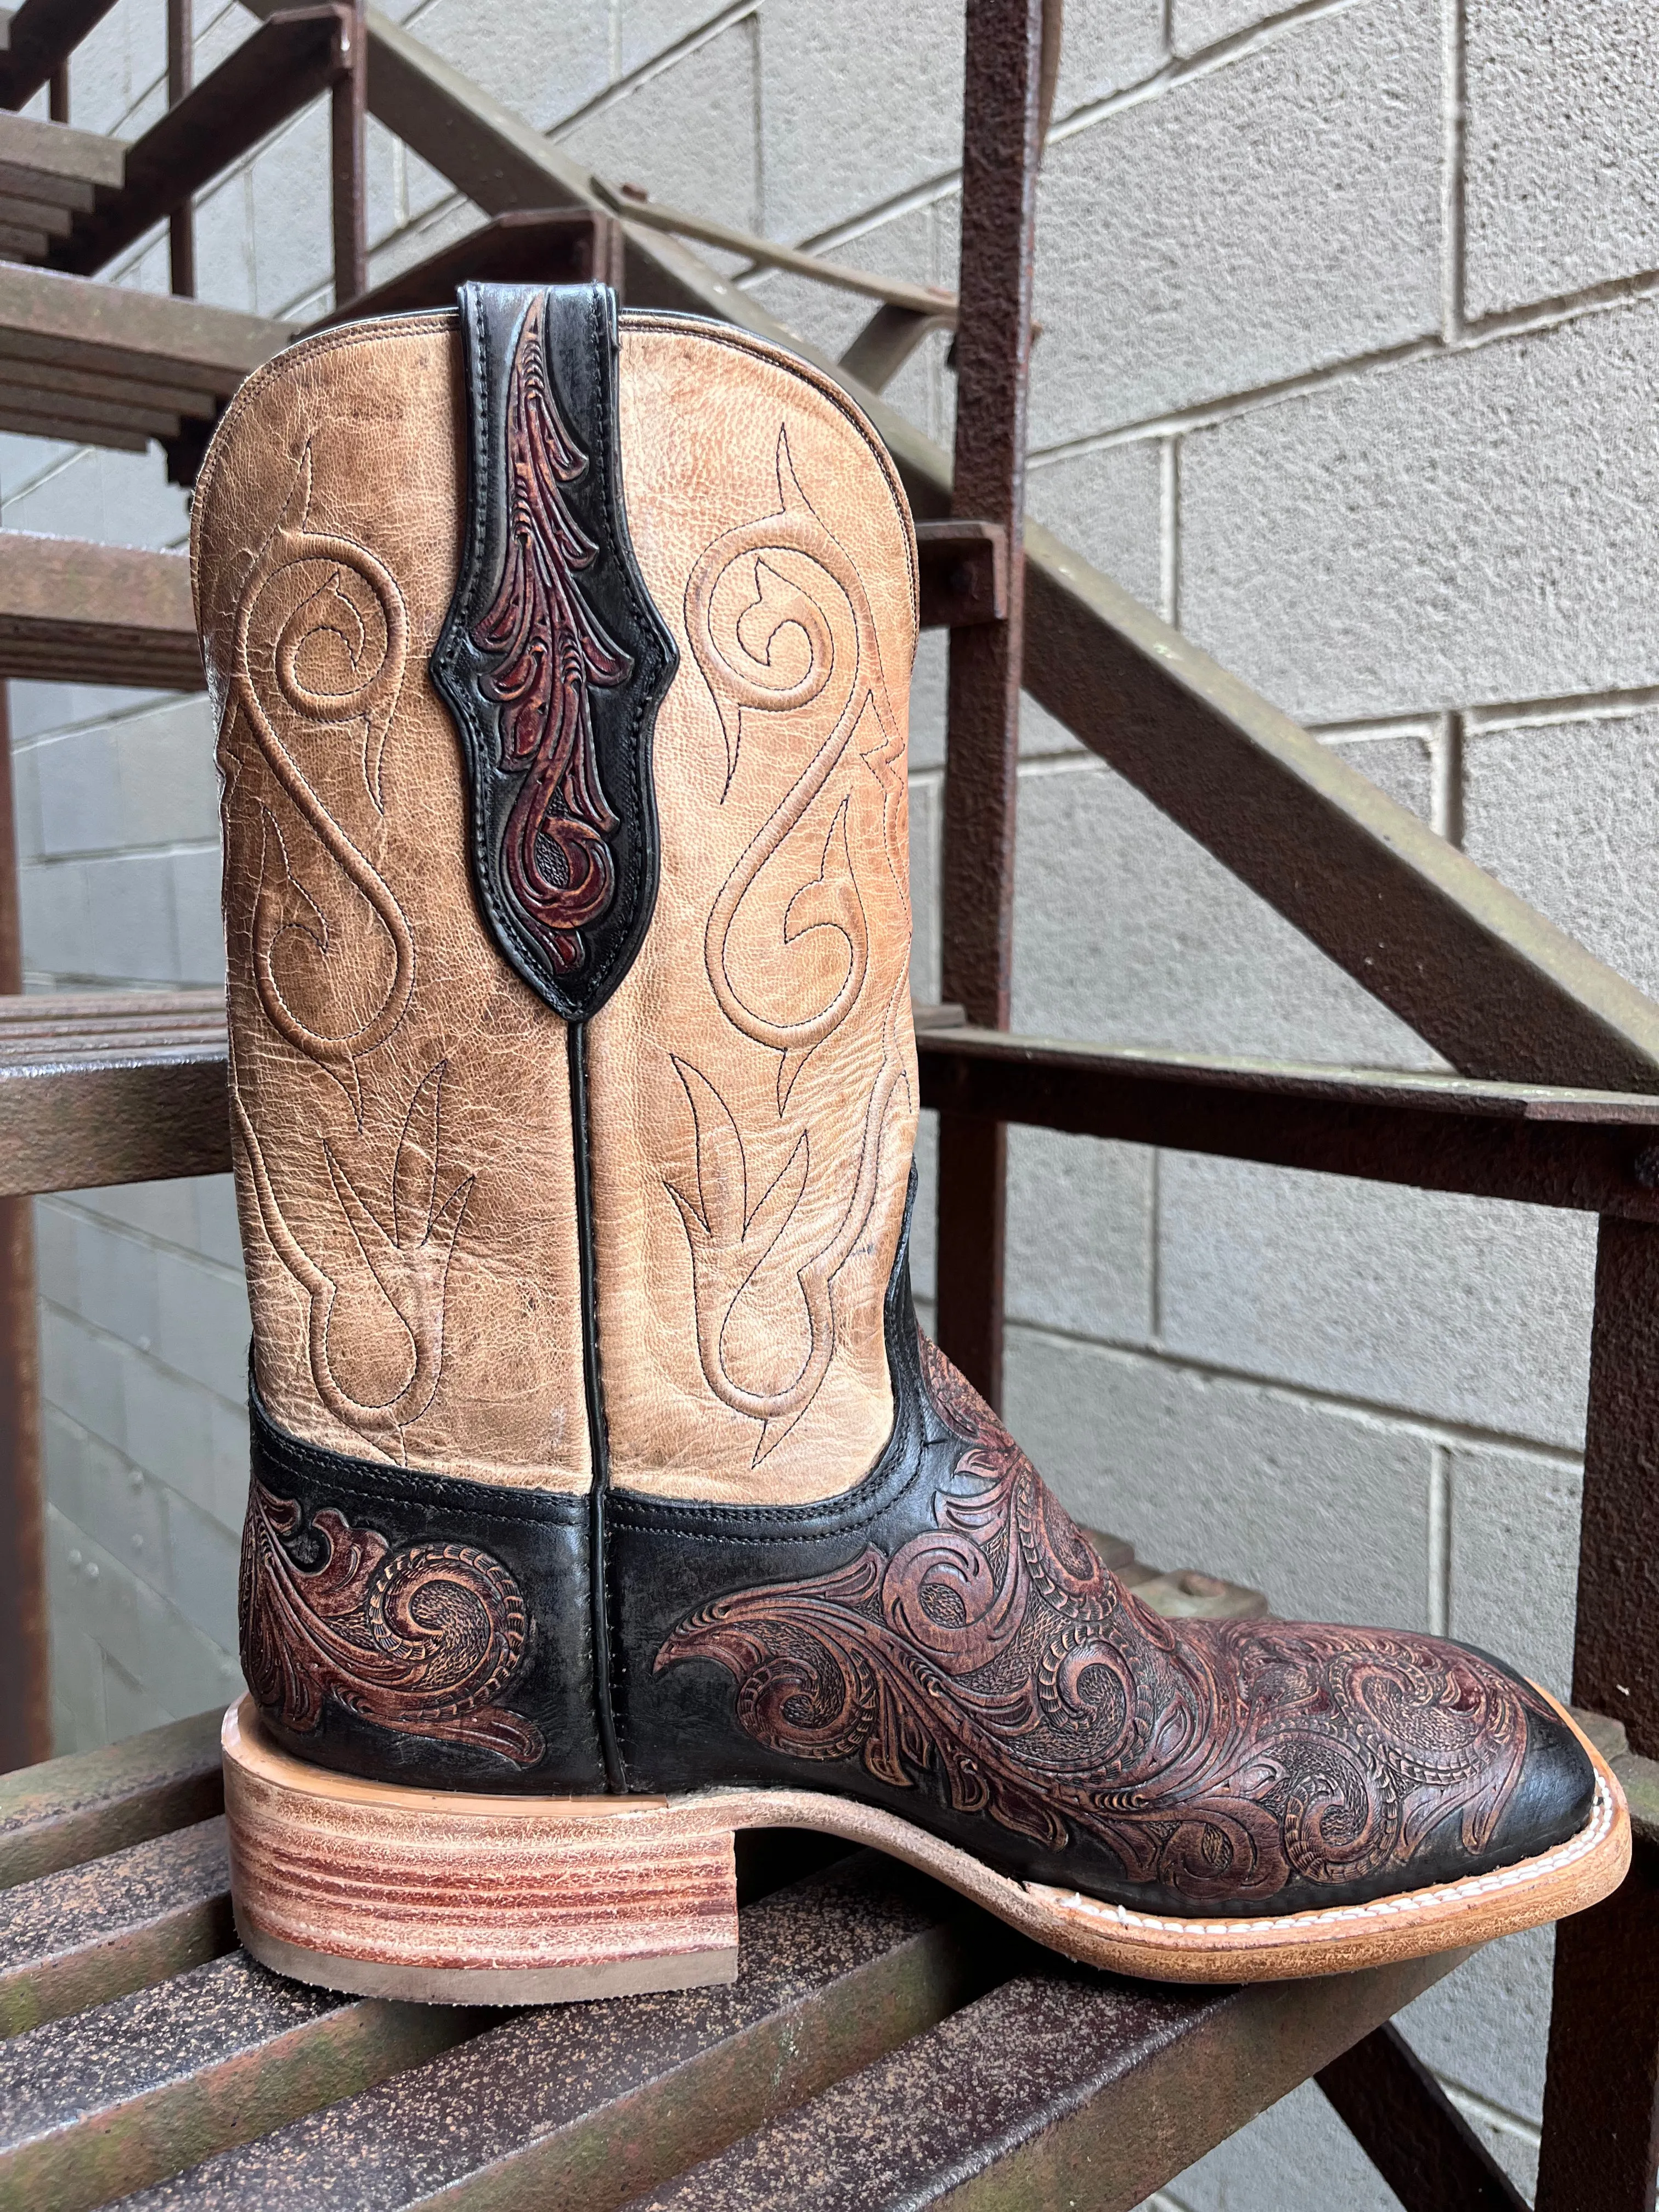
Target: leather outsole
(442,1897)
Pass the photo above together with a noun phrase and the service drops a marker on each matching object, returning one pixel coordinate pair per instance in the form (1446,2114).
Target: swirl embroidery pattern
(996,1654)
(542,649)
(322,634)
(422,1640)
(792,581)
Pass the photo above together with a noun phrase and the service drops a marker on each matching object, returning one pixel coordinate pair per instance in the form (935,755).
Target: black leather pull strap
(553,658)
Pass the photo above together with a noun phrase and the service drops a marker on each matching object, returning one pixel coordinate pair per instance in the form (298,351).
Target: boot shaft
(572,1079)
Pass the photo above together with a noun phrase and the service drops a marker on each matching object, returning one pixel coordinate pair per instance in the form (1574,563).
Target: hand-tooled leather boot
(603,1500)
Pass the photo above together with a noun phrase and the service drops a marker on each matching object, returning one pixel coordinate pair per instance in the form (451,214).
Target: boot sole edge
(441,1898)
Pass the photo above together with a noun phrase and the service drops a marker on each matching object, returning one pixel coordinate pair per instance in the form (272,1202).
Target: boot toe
(1553,1795)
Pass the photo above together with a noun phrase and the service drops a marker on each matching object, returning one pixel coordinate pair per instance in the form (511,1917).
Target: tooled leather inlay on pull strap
(1223,1760)
(553,657)
(422,1639)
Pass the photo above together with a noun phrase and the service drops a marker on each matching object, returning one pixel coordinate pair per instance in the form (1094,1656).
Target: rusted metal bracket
(181,70)
(1411,2131)
(347,134)
(964,572)
(1615,1661)
(26,1708)
(1600,2139)
(636,206)
(1587,1150)
(1001,148)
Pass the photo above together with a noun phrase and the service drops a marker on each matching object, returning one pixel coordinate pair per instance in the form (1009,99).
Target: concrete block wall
(1350,341)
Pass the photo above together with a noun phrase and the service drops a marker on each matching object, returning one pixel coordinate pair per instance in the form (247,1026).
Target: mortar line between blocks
(758,125)
(1171,75)
(1449,798)
(1454,123)
(1498,2117)
(703,35)
(1439,1560)
(1207,414)
(1404,1420)
(1168,531)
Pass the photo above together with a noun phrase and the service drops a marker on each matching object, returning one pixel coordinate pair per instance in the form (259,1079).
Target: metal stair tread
(137,363)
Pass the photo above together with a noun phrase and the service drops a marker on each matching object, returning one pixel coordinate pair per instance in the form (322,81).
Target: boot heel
(447,1898)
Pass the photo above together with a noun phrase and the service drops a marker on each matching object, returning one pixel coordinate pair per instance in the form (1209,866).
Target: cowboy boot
(604,1501)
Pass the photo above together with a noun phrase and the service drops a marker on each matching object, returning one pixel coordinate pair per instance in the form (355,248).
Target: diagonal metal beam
(1411,2131)
(1477,972)
(258,87)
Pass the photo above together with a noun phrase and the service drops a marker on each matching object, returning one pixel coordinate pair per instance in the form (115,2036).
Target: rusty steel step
(105,365)
(93,1803)
(49,174)
(103,1087)
(79,613)
(592,2104)
(118,2096)
(1058,2088)
(77,1938)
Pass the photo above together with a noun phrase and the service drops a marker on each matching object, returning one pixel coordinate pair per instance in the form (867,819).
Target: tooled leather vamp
(990,1669)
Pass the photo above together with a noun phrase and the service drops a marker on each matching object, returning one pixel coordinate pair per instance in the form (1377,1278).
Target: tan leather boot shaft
(402,1109)
(753,1081)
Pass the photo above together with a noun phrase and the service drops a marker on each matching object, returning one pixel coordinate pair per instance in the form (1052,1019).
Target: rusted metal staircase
(1555,1101)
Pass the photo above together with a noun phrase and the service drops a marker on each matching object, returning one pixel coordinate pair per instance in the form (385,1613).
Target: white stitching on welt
(1244,1932)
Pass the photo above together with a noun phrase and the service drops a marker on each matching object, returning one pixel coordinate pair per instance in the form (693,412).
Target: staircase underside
(49,174)
(107,365)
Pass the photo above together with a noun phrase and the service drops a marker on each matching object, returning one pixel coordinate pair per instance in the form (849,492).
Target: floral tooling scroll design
(407,1265)
(781,623)
(320,645)
(543,650)
(424,1639)
(994,1656)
